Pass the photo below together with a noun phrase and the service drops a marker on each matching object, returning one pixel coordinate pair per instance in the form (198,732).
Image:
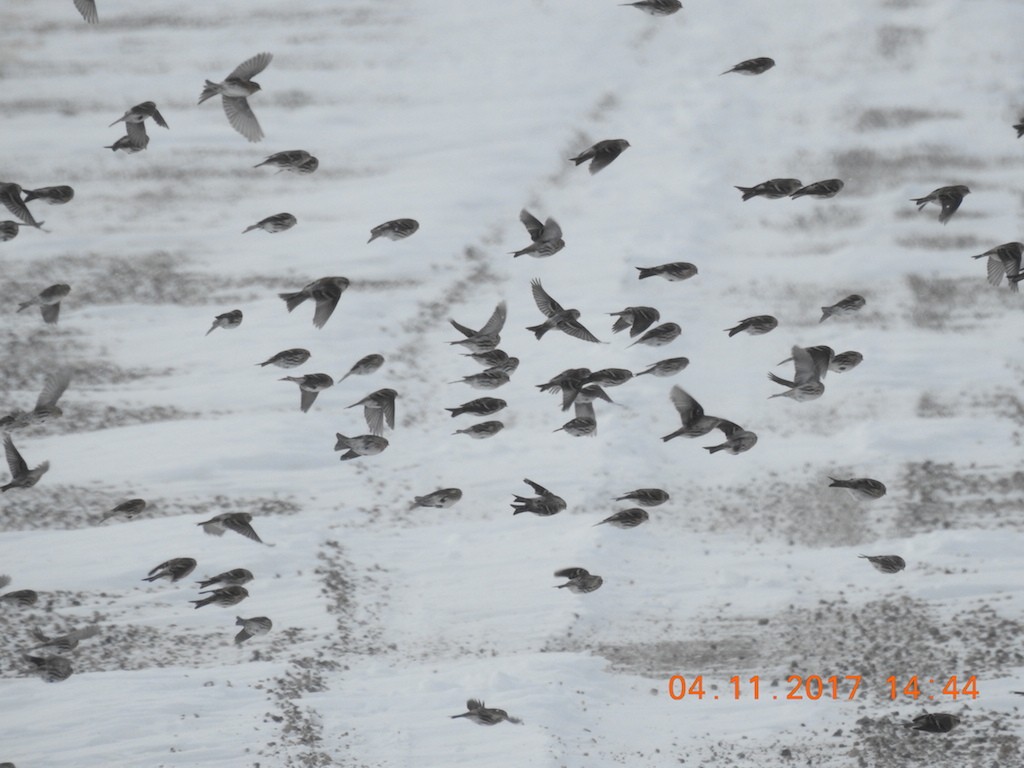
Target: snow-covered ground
(387,619)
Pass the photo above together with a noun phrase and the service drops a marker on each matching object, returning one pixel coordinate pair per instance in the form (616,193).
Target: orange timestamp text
(834,687)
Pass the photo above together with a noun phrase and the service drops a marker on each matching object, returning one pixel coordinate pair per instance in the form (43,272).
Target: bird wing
(551,230)
(250,67)
(603,157)
(805,365)
(572,573)
(496,321)
(821,356)
(241,117)
(50,312)
(950,202)
(643,318)
(375,419)
(239,525)
(53,387)
(689,409)
(389,412)
(532,224)
(137,134)
(996,270)
(467,332)
(11,198)
(88,10)
(325,305)
(728,428)
(575,329)
(545,303)
(16,464)
(158,118)
(306,399)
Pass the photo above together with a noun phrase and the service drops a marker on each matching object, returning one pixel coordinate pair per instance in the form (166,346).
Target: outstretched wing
(545,303)
(250,67)
(575,329)
(496,321)
(532,224)
(241,117)
(16,464)
(53,387)
(689,409)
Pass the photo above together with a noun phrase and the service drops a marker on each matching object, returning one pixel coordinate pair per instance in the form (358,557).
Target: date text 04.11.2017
(815,687)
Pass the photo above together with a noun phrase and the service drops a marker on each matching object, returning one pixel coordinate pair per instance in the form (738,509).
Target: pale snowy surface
(386,620)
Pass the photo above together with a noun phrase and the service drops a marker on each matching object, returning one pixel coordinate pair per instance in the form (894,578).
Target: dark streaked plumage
(46,407)
(21,475)
(757,325)
(947,197)
(130,145)
(737,439)
(365,366)
(773,189)
(239,522)
(610,377)
(482,406)
(234,92)
(861,487)
(659,336)
(51,195)
(489,359)
(656,7)
(637,319)
(489,335)
(843,307)
(288,160)
(674,272)
(492,378)
(10,198)
(234,577)
(544,504)
(565,320)
(228,321)
(546,238)
(934,722)
(580,580)
(601,154)
(378,407)
(325,292)
(288,358)
(482,715)
(51,668)
(126,509)
(668,367)
(310,385)
(1004,259)
(627,518)
(581,426)
(23,598)
(647,497)
(254,627)
(569,382)
(440,499)
(306,168)
(845,361)
(396,229)
(64,643)
(48,301)
(361,445)
(279,222)
(222,596)
(174,569)
(482,430)
(756,66)
(134,119)
(886,563)
(823,189)
(9,230)
(811,365)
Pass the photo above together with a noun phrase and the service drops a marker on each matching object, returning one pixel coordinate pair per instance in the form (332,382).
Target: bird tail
(826,313)
(734,331)
(578,159)
(30,195)
(209,91)
(714,448)
(838,483)
(292,300)
(342,441)
(25,305)
(647,272)
(212,327)
(782,381)
(748,192)
(1020,132)
(538,330)
(151,578)
(455,411)
(921,202)
(250,228)
(666,438)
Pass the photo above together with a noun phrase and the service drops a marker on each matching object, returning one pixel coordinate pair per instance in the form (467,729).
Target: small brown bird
(861,487)
(51,195)
(482,406)
(174,569)
(365,366)
(691,413)
(737,439)
(773,189)
(544,504)
(378,407)
(675,272)
(228,321)
(64,643)
(558,318)
(310,385)
(934,722)
(757,66)
(810,365)
(668,367)
(755,326)
(492,378)
(823,189)
(223,596)
(609,377)
(126,509)
(659,336)
(580,580)
(482,430)
(397,229)
(657,7)
(127,145)
(361,445)
(886,563)
(546,238)
(235,577)
(46,404)
(239,522)
(482,715)
(326,292)
(288,160)
(601,154)
(48,301)
(9,230)
(637,319)
(1004,259)
(845,361)
(488,337)
(234,92)
(843,307)
(23,598)
(440,499)
(21,475)
(135,117)
(254,627)
(646,497)
(949,198)
(627,518)
(581,426)
(52,669)
(289,358)
(279,222)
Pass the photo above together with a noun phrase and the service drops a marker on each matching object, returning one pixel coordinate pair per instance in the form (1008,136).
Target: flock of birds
(579,388)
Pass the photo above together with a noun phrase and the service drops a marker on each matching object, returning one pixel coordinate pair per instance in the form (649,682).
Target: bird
(482,406)
(365,366)
(601,154)
(675,272)
(691,413)
(659,336)
(646,497)
(773,189)
(580,580)
(637,319)
(21,475)
(23,598)
(288,358)
(934,722)
(378,407)
(228,320)
(440,499)
(737,439)
(843,307)
(46,407)
(819,352)
(126,509)
(288,160)
(234,92)
(482,715)
(861,487)
(609,377)
(129,146)
(886,563)
(544,504)
(757,325)
(565,320)
(757,66)
(279,222)
(492,378)
(668,367)
(397,229)
(947,197)
(310,385)
(823,189)
(325,292)
(627,518)
(587,395)
(569,382)
(10,197)
(88,10)
(135,117)
(580,426)
(51,195)
(546,238)
(48,301)
(489,335)
(482,430)
(1020,128)
(51,668)
(1004,259)
(254,627)
(222,596)
(64,643)
(306,168)
(9,230)
(174,569)
(811,365)
(235,577)
(489,359)
(239,522)
(362,445)
(845,361)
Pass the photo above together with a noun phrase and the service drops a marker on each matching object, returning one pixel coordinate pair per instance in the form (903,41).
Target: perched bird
(310,385)
(934,722)
(947,197)
(135,117)
(397,229)
(88,10)
(64,643)
(886,563)
(546,238)
(21,475)
(254,627)
(811,365)
(441,499)
(757,66)
(492,378)
(174,569)
(669,367)
(289,160)
(845,361)
(1004,259)
(569,382)
(773,189)
(737,439)
(1020,128)
(129,146)
(325,292)
(289,358)
(9,230)
(362,445)
(10,197)
(234,91)
(861,487)
(565,320)
(482,715)
(279,222)
(126,509)
(580,580)
(239,522)
(46,404)
(489,359)
(675,272)
(482,430)
(601,154)
(637,319)
(22,598)
(51,668)
(544,504)
(222,596)
(581,426)
(378,407)
(48,301)
(647,497)
(236,577)
(364,366)
(823,189)
(843,307)
(228,320)
(657,7)
(482,406)
(609,377)
(691,413)
(755,326)
(489,335)
(659,336)
(50,195)
(627,518)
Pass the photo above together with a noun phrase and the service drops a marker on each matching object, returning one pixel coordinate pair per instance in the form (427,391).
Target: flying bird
(234,92)
(362,445)
(310,385)
(46,404)
(580,580)
(10,197)
(223,596)
(565,320)
(659,336)
(174,569)
(130,146)
(601,154)
(627,518)
(492,378)
(64,643)
(482,715)
(128,510)
(737,439)
(482,430)
(886,563)
(52,668)
(397,229)
(947,197)
(636,319)
(773,189)
(234,577)
(254,627)
(489,335)
(646,497)
(811,365)
(239,522)
(755,326)
(546,238)
(288,160)
(1004,259)
(48,301)
(9,230)
(757,66)
(440,499)
(135,117)
(482,406)
(59,195)
(695,422)
(23,598)
(843,307)
(325,292)
(544,504)
(21,475)
(823,189)
(845,361)
(378,407)
(656,7)
(288,358)
(675,272)
(668,367)
(861,487)
(365,366)
(228,320)
(279,222)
